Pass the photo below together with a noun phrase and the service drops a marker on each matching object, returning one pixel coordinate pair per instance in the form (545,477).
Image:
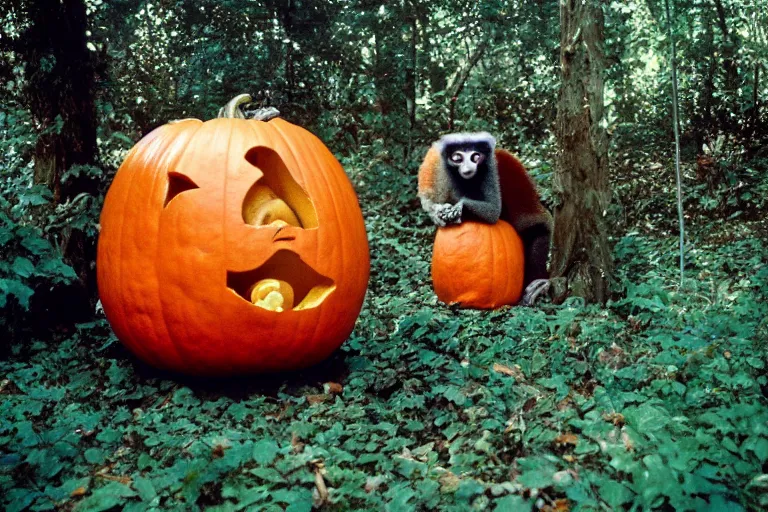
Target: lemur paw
(451,213)
(436,218)
(534,290)
(438,221)
(441,214)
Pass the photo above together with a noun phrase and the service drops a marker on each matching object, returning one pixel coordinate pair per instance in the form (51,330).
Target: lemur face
(467,160)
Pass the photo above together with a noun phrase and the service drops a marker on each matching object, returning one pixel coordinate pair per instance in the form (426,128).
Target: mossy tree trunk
(580,244)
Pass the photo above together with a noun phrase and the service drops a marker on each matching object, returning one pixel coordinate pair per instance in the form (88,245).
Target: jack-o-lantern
(478,265)
(232,246)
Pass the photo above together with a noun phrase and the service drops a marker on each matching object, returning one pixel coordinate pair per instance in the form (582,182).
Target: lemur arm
(433,192)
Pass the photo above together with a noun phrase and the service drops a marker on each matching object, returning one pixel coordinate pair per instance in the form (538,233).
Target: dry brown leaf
(333,388)
(565,439)
(560,505)
(449,482)
(125,480)
(613,357)
(321,496)
(628,444)
(217,451)
(614,417)
(78,492)
(564,403)
(316,399)
(296,443)
(530,404)
(512,371)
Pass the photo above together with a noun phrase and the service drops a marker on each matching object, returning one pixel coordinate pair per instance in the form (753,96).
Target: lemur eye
(457,157)
(476,157)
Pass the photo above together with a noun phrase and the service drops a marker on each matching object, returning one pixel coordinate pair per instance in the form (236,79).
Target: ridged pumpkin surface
(176,250)
(478,265)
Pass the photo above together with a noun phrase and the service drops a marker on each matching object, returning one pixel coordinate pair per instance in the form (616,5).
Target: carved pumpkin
(232,246)
(478,265)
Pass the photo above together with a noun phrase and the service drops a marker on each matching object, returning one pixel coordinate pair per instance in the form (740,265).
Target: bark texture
(580,244)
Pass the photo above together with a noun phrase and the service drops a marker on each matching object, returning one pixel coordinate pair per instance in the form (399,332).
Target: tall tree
(59,92)
(581,252)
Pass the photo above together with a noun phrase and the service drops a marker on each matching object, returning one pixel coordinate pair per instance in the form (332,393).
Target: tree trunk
(580,245)
(703,119)
(411,83)
(60,93)
(411,76)
(729,51)
(754,112)
(285,14)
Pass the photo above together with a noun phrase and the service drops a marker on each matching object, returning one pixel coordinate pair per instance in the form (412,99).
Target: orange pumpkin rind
(478,265)
(222,250)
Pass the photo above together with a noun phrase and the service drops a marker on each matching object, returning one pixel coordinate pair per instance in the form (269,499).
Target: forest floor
(658,400)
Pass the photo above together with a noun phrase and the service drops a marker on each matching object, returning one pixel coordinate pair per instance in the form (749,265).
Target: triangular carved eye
(276,199)
(177,183)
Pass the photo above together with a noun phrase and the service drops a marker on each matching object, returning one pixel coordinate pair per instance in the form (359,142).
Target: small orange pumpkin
(478,265)
(232,246)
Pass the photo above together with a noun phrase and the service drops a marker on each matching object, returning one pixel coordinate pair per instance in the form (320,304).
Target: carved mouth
(284,282)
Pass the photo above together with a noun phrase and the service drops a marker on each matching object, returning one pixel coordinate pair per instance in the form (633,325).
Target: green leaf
(455,395)
(22,267)
(468,489)
(54,266)
(104,498)
(536,478)
(17,289)
(758,446)
(145,488)
(20,499)
(94,456)
(265,451)
(615,493)
(36,244)
(36,196)
(302,502)
(512,503)
(647,418)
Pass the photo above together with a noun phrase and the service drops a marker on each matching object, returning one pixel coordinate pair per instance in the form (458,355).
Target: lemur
(464,176)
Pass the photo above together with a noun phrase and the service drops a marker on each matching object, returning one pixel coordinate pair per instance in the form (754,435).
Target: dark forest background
(661,385)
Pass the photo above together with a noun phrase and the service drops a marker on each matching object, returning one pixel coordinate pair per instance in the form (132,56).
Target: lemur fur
(447,195)
(500,189)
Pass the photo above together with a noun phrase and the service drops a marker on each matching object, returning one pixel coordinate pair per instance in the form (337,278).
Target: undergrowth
(656,401)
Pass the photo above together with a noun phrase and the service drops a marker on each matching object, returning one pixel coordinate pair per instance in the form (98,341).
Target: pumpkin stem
(232,109)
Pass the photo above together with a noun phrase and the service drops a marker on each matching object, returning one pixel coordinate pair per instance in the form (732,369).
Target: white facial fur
(467,162)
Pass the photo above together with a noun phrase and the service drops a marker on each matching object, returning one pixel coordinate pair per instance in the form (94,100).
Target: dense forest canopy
(623,389)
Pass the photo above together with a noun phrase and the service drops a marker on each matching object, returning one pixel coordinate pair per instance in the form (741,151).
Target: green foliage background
(656,401)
